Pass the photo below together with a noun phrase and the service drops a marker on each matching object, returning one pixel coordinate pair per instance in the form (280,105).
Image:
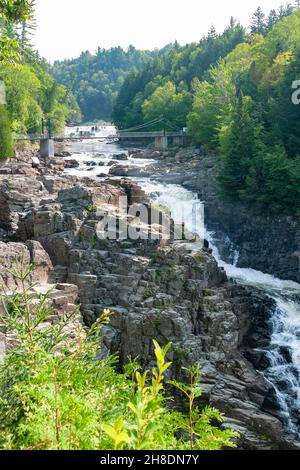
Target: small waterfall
(284,358)
(236,257)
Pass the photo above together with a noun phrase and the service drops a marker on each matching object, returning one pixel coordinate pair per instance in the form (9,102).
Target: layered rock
(264,242)
(28,163)
(169,291)
(62,298)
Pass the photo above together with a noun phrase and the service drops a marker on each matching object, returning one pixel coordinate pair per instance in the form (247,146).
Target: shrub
(6,141)
(58,393)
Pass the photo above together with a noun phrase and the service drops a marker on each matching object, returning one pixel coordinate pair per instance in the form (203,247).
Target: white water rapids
(283,353)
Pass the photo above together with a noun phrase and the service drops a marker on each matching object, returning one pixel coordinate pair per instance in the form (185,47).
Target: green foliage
(96,79)
(240,143)
(147,408)
(15,15)
(168,103)
(32,94)
(172,70)
(16,10)
(151,418)
(202,120)
(59,393)
(262,24)
(197,426)
(6,141)
(273,182)
(258,24)
(245,111)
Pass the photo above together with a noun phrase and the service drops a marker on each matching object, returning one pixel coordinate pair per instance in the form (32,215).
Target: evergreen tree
(176,64)
(258,22)
(28,28)
(212,33)
(285,10)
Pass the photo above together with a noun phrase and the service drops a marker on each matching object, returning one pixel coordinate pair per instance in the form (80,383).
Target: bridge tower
(47,149)
(161,142)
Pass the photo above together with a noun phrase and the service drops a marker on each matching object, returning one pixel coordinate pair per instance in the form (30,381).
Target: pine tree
(258,23)
(6,141)
(212,33)
(240,145)
(285,10)
(272,19)
(28,27)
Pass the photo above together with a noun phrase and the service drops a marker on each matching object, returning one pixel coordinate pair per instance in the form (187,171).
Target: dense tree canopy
(245,110)
(175,68)
(96,79)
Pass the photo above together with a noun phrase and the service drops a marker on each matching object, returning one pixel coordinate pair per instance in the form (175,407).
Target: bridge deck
(120,135)
(149,134)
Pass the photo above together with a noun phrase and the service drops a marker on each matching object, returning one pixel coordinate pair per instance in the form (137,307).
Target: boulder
(71,163)
(16,254)
(120,156)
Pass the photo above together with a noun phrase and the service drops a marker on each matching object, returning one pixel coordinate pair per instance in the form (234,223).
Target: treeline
(95,79)
(31,93)
(234,92)
(164,87)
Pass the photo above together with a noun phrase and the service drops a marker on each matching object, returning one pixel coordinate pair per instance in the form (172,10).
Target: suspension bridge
(164,138)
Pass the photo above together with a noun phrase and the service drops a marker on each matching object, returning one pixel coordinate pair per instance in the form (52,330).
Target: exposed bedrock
(169,291)
(264,242)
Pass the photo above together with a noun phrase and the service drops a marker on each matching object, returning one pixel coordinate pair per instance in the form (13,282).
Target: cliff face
(267,243)
(172,292)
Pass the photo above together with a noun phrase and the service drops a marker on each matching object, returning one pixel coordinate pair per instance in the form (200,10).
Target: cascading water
(283,354)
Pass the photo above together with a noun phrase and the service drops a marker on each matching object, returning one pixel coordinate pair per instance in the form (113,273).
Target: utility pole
(49,125)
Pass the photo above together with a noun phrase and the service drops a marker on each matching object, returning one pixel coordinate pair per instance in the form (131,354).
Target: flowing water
(283,372)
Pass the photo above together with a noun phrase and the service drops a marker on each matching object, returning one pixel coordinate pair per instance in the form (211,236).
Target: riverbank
(172,293)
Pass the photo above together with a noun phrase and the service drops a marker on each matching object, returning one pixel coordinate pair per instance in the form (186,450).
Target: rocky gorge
(265,242)
(169,291)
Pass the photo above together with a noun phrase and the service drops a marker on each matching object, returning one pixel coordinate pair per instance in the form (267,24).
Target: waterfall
(283,372)
(283,354)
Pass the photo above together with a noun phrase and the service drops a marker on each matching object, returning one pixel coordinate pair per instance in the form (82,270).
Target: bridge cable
(147,124)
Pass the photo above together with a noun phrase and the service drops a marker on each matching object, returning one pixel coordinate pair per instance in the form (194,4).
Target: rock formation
(169,291)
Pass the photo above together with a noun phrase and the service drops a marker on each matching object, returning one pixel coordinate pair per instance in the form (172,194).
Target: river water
(283,354)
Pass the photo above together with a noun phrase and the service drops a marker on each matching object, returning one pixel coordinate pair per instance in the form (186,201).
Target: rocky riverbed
(170,291)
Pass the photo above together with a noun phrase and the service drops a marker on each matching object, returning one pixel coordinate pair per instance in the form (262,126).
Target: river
(283,354)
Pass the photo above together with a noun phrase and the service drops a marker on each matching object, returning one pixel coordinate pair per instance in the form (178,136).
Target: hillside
(96,79)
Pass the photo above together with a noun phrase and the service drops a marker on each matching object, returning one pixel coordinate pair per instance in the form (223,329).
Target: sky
(68,27)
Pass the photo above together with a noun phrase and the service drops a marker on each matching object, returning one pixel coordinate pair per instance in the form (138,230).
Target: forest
(31,93)
(234,92)
(95,79)
(244,112)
